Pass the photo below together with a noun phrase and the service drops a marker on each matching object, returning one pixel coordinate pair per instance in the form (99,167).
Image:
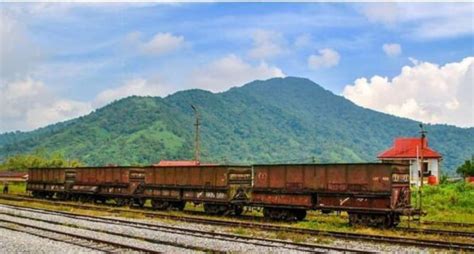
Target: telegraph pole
(196,137)
(422,139)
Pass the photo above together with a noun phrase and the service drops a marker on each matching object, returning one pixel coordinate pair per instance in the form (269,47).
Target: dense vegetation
(37,159)
(466,169)
(449,202)
(277,120)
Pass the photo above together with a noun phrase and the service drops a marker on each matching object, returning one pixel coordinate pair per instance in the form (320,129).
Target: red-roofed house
(181,164)
(13,176)
(410,149)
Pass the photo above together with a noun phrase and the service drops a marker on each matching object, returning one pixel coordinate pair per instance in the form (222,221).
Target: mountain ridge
(274,120)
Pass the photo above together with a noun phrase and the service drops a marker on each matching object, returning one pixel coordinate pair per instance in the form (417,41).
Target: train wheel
(139,202)
(395,220)
(215,209)
(300,214)
(283,214)
(272,213)
(325,211)
(238,210)
(121,201)
(100,200)
(83,199)
(159,204)
(371,220)
(62,196)
(36,194)
(179,205)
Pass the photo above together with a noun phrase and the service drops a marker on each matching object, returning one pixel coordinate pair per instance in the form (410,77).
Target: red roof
(409,148)
(13,174)
(181,164)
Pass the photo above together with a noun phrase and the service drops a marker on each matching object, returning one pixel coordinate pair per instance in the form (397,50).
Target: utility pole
(196,137)
(422,139)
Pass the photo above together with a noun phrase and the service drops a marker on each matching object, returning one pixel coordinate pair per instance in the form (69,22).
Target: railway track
(447,223)
(151,213)
(71,238)
(277,228)
(145,239)
(281,244)
(436,232)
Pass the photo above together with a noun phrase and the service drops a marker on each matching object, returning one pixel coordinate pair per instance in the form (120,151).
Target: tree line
(37,159)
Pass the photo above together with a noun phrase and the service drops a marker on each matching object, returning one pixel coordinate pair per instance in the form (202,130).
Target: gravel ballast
(225,245)
(18,242)
(192,240)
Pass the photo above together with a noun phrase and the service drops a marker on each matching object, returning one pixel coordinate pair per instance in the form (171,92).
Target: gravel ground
(226,245)
(359,245)
(17,242)
(214,243)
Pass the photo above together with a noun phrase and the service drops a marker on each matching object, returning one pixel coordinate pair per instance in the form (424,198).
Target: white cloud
(387,13)
(159,44)
(267,44)
(28,104)
(139,87)
(325,59)
(425,92)
(230,71)
(163,43)
(392,49)
(424,20)
(18,54)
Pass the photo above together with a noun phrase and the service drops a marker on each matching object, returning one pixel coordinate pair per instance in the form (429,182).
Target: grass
(449,202)
(14,187)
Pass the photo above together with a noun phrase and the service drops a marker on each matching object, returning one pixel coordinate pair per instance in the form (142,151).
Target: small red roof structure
(409,148)
(181,164)
(13,176)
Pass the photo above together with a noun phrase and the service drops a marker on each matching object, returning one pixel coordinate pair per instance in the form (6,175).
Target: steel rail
(436,231)
(146,239)
(57,239)
(77,236)
(232,237)
(270,227)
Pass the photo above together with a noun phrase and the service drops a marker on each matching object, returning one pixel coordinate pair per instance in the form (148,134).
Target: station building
(411,149)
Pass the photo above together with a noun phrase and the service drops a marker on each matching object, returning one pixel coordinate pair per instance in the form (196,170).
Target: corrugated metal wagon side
(47,182)
(367,191)
(100,184)
(215,186)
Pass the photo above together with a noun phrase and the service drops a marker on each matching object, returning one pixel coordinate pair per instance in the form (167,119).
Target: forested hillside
(277,120)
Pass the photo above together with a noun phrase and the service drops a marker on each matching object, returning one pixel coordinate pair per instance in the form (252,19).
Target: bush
(37,159)
(466,169)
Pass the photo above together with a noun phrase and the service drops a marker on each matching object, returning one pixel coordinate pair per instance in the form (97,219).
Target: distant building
(164,163)
(409,149)
(13,176)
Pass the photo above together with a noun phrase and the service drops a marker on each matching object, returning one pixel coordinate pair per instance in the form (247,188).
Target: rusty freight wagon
(222,189)
(49,182)
(100,184)
(372,193)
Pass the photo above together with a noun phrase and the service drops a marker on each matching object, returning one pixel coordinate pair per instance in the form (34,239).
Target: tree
(466,169)
(37,159)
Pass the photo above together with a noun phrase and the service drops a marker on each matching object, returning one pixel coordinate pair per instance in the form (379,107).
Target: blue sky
(64,60)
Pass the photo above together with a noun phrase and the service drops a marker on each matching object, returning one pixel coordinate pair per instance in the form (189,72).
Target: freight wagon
(371,193)
(221,189)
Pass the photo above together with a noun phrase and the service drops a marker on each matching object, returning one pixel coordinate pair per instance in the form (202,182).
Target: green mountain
(277,120)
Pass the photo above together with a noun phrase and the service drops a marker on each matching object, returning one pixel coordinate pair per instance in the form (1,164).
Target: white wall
(433,166)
